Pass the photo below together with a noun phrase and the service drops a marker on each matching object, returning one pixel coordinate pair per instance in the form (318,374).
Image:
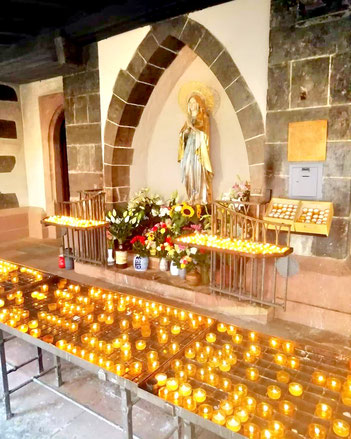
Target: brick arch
(134,86)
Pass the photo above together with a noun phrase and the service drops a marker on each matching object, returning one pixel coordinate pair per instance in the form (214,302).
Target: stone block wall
(83,124)
(309,79)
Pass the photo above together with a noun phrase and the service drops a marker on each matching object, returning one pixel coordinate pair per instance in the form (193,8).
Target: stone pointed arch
(134,86)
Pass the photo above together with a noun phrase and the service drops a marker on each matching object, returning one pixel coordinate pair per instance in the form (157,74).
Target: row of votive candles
(237,408)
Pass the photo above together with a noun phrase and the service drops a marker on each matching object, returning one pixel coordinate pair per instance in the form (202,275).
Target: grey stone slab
(84,181)
(251,122)
(209,48)
(291,43)
(172,27)
(148,47)
(81,109)
(72,158)
(338,162)
(257,179)
(115,109)
(122,156)
(83,134)
(336,245)
(97,164)
(7,163)
(124,83)
(340,85)
(81,83)
(239,94)
(282,15)
(278,87)
(277,159)
(192,33)
(69,110)
(256,150)
(91,56)
(309,85)
(225,69)
(278,122)
(279,185)
(338,190)
(94,113)
(110,132)
(339,127)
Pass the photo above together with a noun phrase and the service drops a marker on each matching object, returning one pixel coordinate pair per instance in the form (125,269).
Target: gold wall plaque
(307,141)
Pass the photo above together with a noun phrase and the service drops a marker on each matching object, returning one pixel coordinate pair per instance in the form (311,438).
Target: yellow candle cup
(251,430)
(161,379)
(219,417)
(317,431)
(280,359)
(319,378)
(233,423)
(274,343)
(189,403)
(264,410)
(333,384)
(242,413)
(295,389)
(323,411)
(185,389)
(274,392)
(175,330)
(172,384)
(287,408)
(227,407)
(211,337)
(205,410)
(283,377)
(249,403)
(140,345)
(252,374)
(341,428)
(199,395)
(277,428)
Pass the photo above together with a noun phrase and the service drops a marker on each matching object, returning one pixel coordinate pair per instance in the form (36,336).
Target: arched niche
(133,88)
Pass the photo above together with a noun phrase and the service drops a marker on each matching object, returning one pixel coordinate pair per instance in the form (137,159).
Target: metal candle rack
(143,385)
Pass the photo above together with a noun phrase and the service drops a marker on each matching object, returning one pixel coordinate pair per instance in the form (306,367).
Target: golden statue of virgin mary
(194,144)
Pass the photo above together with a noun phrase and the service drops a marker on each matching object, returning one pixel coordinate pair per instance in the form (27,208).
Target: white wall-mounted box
(305,180)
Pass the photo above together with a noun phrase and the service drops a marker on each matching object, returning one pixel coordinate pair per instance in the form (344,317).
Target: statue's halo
(208,94)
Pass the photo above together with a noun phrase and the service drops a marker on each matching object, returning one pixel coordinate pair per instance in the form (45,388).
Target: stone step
(162,284)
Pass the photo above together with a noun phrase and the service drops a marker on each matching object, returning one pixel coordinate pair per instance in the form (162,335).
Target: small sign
(307,141)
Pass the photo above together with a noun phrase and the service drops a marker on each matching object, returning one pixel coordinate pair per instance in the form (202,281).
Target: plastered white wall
(115,54)
(33,147)
(242,26)
(156,140)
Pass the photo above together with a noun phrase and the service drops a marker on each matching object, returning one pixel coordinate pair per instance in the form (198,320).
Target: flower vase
(121,255)
(193,278)
(140,263)
(110,260)
(174,270)
(182,273)
(163,264)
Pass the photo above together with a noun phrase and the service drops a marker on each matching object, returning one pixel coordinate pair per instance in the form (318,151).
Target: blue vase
(182,273)
(140,263)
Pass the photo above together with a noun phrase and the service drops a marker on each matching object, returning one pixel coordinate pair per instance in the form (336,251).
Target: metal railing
(85,245)
(248,278)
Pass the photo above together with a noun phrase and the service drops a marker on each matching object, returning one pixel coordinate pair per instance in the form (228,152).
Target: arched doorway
(61,159)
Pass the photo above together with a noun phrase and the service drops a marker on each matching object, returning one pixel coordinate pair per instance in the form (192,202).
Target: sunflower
(187,210)
(198,210)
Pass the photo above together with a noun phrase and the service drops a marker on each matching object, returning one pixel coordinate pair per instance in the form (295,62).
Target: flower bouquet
(140,247)
(183,215)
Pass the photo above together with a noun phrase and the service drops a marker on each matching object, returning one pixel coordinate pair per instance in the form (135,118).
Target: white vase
(110,260)
(174,270)
(163,264)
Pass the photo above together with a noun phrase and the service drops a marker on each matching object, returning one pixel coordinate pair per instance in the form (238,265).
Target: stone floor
(41,414)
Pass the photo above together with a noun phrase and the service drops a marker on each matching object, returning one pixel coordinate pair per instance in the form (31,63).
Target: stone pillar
(83,124)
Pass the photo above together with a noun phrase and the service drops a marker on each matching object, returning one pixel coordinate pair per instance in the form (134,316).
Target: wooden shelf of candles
(238,247)
(304,216)
(73,223)
(249,382)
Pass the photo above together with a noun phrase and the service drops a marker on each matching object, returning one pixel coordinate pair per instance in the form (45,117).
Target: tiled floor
(41,414)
